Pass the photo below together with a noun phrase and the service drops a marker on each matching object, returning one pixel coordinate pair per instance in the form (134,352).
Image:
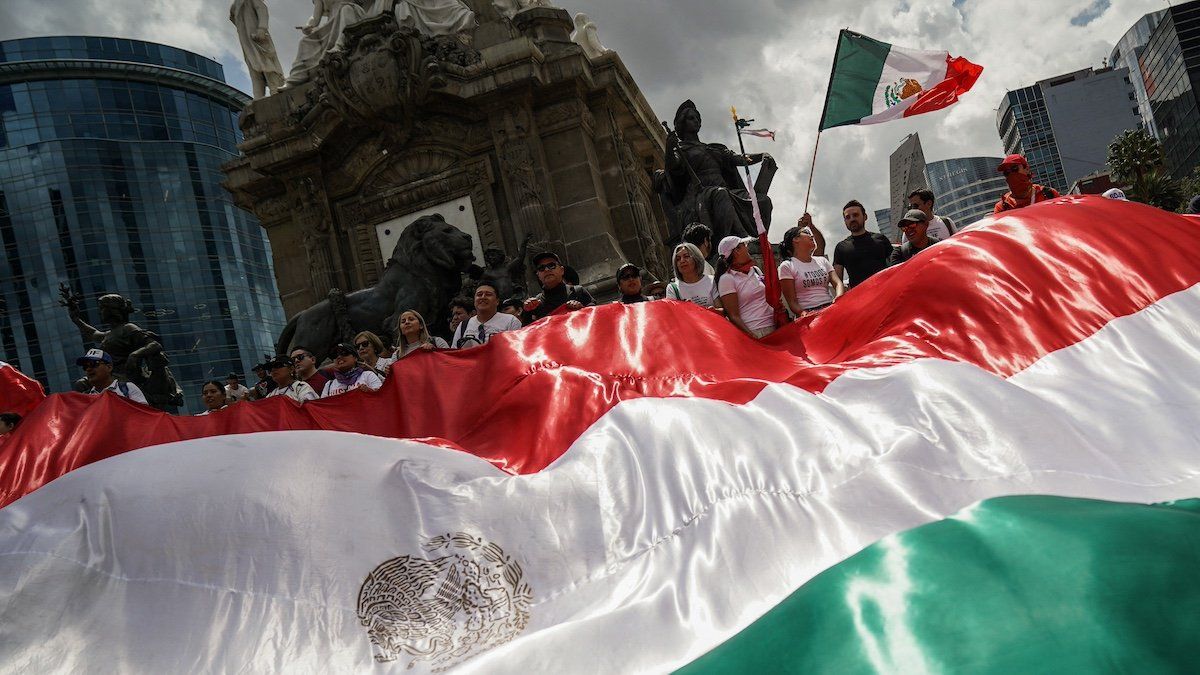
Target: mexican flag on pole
(875,82)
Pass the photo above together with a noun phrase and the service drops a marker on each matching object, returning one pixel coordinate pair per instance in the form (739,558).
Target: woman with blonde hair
(370,353)
(412,335)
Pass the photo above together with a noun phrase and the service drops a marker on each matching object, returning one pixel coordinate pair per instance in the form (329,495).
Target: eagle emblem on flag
(467,597)
(900,90)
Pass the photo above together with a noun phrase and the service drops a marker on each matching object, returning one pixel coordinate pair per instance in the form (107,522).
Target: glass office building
(110,182)
(1127,54)
(1171,68)
(966,188)
(1024,126)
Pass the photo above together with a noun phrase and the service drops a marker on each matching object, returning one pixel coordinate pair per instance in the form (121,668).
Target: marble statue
(430,17)
(702,183)
(319,37)
(258,49)
(509,8)
(138,356)
(585,36)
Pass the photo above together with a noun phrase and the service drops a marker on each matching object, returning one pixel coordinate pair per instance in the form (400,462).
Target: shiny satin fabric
(999,295)
(1010,585)
(669,526)
(19,393)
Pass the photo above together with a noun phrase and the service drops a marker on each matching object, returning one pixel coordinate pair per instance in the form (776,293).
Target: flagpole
(811,169)
(741,143)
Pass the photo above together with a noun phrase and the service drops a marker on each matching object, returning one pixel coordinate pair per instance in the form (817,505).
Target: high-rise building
(966,188)
(907,166)
(1127,54)
(110,182)
(1171,71)
(883,219)
(1063,125)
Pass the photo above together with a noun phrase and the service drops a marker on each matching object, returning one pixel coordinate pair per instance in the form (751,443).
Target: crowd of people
(734,288)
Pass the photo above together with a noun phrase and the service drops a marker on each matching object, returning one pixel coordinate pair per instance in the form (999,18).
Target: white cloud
(770,58)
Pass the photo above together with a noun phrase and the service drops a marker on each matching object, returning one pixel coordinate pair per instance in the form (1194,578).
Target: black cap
(343,347)
(545,255)
(259,366)
(627,267)
(279,362)
(232,376)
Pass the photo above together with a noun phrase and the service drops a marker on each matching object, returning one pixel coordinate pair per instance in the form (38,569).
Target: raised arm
(71,302)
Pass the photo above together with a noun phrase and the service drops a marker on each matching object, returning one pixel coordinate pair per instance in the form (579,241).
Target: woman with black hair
(8,422)
(212,393)
(808,281)
(742,290)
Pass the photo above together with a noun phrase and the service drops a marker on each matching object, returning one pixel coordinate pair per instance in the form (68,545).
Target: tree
(1191,184)
(1134,154)
(1136,159)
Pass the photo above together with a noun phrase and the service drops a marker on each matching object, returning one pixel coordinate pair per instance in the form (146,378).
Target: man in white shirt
(234,391)
(286,384)
(97,368)
(940,228)
(488,319)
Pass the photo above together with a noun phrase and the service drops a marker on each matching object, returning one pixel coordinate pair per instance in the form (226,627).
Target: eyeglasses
(362,345)
(907,224)
(546,267)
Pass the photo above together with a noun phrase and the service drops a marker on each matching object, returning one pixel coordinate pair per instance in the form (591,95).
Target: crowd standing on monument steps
(725,279)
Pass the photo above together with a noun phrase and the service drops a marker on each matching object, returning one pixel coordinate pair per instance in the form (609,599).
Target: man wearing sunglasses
(306,368)
(556,293)
(915,226)
(1022,191)
(98,368)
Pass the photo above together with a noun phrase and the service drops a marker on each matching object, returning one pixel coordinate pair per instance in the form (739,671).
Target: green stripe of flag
(1011,585)
(857,67)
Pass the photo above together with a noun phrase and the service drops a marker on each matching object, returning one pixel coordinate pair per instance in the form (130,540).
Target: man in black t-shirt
(915,226)
(863,253)
(555,291)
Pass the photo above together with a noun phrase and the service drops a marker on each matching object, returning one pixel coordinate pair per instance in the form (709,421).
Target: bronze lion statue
(424,273)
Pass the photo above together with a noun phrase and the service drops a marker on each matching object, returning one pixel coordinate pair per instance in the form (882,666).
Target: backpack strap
(674,285)
(124,387)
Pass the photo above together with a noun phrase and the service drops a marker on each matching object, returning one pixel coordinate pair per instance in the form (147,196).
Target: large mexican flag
(875,82)
(971,462)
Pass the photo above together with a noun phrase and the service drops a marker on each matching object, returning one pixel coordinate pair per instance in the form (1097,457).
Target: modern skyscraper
(1063,124)
(110,182)
(883,219)
(1127,54)
(966,188)
(1171,71)
(907,166)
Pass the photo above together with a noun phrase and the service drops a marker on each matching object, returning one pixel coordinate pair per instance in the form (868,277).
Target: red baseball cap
(1013,160)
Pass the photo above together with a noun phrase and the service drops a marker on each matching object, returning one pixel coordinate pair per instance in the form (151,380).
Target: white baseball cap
(1115,193)
(729,243)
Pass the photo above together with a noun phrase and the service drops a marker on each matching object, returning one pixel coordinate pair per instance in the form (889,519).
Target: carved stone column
(521,173)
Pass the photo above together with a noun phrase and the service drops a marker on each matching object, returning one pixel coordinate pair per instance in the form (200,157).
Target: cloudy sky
(770,58)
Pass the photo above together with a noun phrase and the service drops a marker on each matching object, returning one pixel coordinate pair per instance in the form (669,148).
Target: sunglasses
(91,364)
(547,267)
(298,359)
(907,224)
(362,345)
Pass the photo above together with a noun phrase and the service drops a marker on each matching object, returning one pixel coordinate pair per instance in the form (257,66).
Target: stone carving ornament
(430,17)
(509,8)
(585,36)
(321,38)
(424,273)
(258,49)
(138,356)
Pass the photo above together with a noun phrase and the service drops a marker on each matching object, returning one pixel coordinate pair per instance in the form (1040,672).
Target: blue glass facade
(1171,70)
(110,181)
(1128,54)
(966,188)
(1024,126)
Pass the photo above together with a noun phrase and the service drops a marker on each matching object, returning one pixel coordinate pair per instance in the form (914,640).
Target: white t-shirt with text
(811,279)
(367,379)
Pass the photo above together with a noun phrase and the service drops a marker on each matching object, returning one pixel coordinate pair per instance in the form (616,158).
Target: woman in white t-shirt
(809,282)
(742,290)
(691,284)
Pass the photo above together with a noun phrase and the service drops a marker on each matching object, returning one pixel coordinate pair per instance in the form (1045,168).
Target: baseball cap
(1013,160)
(1115,193)
(914,216)
(233,376)
(94,355)
(279,362)
(343,348)
(729,243)
(628,267)
(545,255)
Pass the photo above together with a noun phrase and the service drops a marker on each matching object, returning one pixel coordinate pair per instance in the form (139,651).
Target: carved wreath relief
(443,610)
